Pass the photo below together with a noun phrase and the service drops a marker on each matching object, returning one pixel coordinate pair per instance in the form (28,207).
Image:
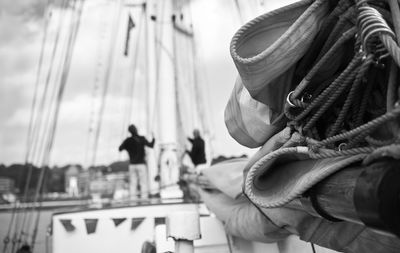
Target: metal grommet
(342,146)
(306,97)
(288,99)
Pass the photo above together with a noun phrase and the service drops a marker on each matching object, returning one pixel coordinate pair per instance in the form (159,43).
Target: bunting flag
(118,221)
(131,25)
(136,223)
(159,221)
(67,224)
(91,225)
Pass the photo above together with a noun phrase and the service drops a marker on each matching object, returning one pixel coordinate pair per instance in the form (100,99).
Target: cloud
(21,23)
(73,129)
(32,10)
(28,8)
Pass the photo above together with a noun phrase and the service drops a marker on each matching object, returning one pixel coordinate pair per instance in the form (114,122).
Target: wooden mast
(367,195)
(168,161)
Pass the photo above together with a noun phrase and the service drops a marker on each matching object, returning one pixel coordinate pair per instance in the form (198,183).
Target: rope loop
(372,25)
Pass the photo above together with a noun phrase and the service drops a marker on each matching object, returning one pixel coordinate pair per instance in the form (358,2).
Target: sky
(22,30)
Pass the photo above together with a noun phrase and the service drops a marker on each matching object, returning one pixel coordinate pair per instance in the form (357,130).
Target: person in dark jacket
(197,153)
(24,249)
(138,174)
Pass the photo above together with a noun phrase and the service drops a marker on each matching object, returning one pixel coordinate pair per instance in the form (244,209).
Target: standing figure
(138,174)
(197,153)
(25,249)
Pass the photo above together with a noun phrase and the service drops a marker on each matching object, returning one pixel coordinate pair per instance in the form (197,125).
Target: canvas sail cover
(327,71)
(265,51)
(243,219)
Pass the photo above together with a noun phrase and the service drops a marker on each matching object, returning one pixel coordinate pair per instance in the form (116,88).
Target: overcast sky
(21,32)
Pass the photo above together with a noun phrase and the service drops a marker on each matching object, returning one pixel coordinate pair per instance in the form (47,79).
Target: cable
(131,86)
(53,126)
(110,62)
(95,90)
(313,247)
(240,14)
(158,36)
(31,129)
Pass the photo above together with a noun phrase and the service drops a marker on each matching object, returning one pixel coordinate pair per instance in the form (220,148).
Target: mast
(150,83)
(167,124)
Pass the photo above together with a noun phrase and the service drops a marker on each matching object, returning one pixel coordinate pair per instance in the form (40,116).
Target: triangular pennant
(118,221)
(131,25)
(67,224)
(91,225)
(136,223)
(159,221)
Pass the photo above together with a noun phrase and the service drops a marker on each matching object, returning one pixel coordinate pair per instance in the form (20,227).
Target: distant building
(76,181)
(84,182)
(6,185)
(71,181)
(108,184)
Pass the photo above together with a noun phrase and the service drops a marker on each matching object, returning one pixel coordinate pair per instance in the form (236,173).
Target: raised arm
(149,144)
(122,146)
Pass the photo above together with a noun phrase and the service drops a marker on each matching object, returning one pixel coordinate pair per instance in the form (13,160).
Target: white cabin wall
(110,238)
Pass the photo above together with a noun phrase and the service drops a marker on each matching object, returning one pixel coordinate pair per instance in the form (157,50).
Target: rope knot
(314,148)
(6,240)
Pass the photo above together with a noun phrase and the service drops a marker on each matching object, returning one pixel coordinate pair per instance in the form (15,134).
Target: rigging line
(95,89)
(229,241)
(313,247)
(46,125)
(158,36)
(239,11)
(36,85)
(202,105)
(6,239)
(184,83)
(64,78)
(131,86)
(37,219)
(42,127)
(188,35)
(52,100)
(159,33)
(147,65)
(110,61)
(179,121)
(199,97)
(24,214)
(191,90)
(191,80)
(49,74)
(38,125)
(179,114)
(50,140)
(32,113)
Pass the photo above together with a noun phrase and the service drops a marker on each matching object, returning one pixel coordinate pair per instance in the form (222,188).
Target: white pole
(167,106)
(184,246)
(166,84)
(184,228)
(150,90)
